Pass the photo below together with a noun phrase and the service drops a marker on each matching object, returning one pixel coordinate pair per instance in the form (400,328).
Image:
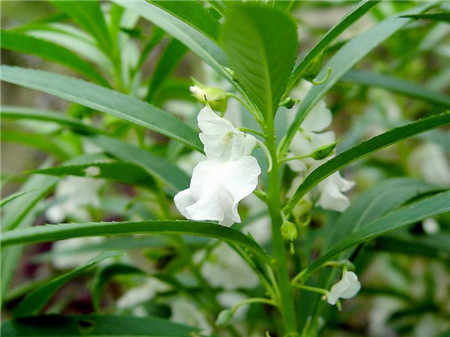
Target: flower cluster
(227,176)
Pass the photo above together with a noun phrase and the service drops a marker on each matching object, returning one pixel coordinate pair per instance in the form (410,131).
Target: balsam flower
(346,288)
(309,138)
(227,176)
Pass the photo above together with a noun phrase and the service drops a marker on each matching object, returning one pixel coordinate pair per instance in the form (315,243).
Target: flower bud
(324,151)
(224,318)
(289,231)
(313,69)
(289,102)
(215,97)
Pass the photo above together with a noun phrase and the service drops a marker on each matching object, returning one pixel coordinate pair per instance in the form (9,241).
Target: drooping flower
(227,176)
(346,288)
(331,196)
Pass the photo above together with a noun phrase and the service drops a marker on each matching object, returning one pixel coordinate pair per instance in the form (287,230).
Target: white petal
(221,139)
(318,118)
(331,196)
(216,189)
(347,287)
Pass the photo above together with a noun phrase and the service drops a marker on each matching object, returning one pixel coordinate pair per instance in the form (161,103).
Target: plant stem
(286,299)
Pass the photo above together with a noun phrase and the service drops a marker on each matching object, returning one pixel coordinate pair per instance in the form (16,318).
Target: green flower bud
(324,151)
(215,97)
(289,102)
(289,231)
(224,318)
(313,69)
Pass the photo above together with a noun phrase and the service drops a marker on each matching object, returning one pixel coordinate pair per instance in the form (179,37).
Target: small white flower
(143,293)
(346,288)
(225,268)
(429,161)
(430,226)
(221,139)
(216,189)
(331,196)
(92,171)
(72,195)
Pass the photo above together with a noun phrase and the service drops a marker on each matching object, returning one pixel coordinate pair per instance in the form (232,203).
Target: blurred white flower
(225,268)
(429,161)
(227,176)
(430,226)
(347,287)
(92,171)
(143,293)
(65,257)
(72,194)
(186,312)
(331,196)
(310,138)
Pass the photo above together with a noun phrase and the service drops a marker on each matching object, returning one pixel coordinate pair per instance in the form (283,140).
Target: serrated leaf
(261,44)
(182,227)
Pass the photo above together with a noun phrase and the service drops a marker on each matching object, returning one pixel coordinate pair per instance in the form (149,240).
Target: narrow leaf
(377,143)
(36,300)
(396,85)
(428,207)
(328,38)
(50,51)
(13,197)
(105,100)
(95,326)
(183,227)
(345,59)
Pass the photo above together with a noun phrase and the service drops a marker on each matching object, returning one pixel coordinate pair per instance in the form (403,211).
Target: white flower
(331,196)
(216,189)
(92,171)
(72,194)
(186,312)
(225,268)
(227,176)
(308,139)
(143,293)
(347,287)
(64,257)
(221,139)
(430,226)
(429,161)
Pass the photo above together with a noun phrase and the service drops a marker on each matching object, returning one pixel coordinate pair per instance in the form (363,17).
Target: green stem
(287,307)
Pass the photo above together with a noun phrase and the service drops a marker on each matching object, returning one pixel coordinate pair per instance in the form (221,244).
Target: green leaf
(441,16)
(375,203)
(124,172)
(46,116)
(13,197)
(95,326)
(167,172)
(425,208)
(261,44)
(41,142)
(396,85)
(106,274)
(376,143)
(50,51)
(201,45)
(167,63)
(105,100)
(192,13)
(344,60)
(36,300)
(328,38)
(183,227)
(88,15)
